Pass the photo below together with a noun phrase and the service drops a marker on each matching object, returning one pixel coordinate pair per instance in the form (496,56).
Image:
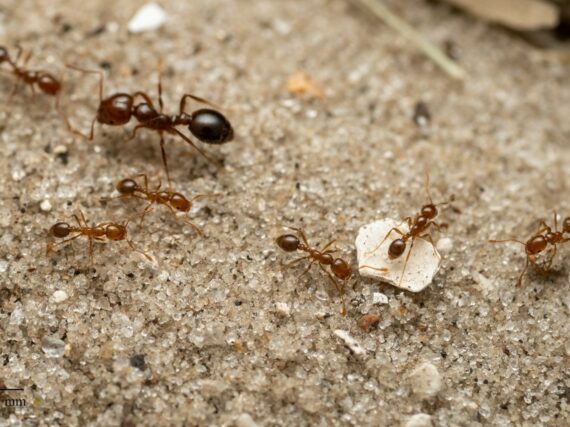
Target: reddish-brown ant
(323,257)
(176,202)
(539,243)
(418,228)
(45,81)
(208,125)
(104,231)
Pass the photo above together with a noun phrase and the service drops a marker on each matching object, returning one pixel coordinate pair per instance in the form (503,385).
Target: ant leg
(382,269)
(396,229)
(427,186)
(302,233)
(83,218)
(164,161)
(555,221)
(306,270)
(135,130)
(507,241)
(199,196)
(91,250)
(519,281)
(187,221)
(138,250)
(198,99)
(15,89)
(189,141)
(160,103)
(295,261)
(551,258)
(427,237)
(86,71)
(145,97)
(406,262)
(327,245)
(51,245)
(145,211)
(340,289)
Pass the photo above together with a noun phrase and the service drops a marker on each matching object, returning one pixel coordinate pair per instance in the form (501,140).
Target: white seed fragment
(148,18)
(350,342)
(379,298)
(426,380)
(419,420)
(444,245)
(59,296)
(423,262)
(45,206)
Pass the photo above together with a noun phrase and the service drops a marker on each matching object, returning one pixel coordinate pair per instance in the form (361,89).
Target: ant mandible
(539,243)
(206,124)
(46,82)
(418,228)
(104,231)
(323,257)
(174,201)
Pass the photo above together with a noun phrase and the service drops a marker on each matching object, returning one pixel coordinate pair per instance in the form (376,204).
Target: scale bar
(11,389)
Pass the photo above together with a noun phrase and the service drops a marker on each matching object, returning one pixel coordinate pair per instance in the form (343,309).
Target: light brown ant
(104,231)
(176,202)
(45,81)
(339,267)
(418,228)
(208,125)
(539,242)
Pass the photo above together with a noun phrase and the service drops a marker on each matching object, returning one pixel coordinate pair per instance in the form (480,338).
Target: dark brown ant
(323,257)
(176,202)
(104,231)
(418,228)
(45,81)
(208,125)
(539,243)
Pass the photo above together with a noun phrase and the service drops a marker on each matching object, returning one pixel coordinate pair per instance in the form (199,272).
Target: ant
(418,228)
(539,242)
(208,125)
(46,82)
(108,230)
(174,201)
(323,257)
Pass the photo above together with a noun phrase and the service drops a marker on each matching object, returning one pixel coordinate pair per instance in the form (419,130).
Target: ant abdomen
(288,242)
(341,269)
(127,186)
(60,230)
(396,248)
(115,110)
(211,126)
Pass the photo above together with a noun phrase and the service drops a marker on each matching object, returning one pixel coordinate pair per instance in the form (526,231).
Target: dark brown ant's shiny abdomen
(211,126)
(115,110)
(288,242)
(396,248)
(341,269)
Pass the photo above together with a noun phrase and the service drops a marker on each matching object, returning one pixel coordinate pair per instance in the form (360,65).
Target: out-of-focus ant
(418,228)
(323,257)
(45,81)
(174,201)
(539,242)
(206,124)
(104,231)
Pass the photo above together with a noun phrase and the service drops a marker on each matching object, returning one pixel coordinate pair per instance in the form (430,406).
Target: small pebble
(419,420)
(53,347)
(59,296)
(245,420)
(60,149)
(379,298)
(367,321)
(444,245)
(350,342)
(422,264)
(426,380)
(148,18)
(45,206)
(282,309)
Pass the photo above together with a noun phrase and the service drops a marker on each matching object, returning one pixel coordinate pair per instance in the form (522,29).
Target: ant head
(341,269)
(429,211)
(288,242)
(566,225)
(127,186)
(60,230)
(4,56)
(49,84)
(536,245)
(396,248)
(211,127)
(115,232)
(144,112)
(180,203)
(115,110)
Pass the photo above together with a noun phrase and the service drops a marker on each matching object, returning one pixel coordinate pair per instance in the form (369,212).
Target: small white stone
(60,149)
(148,18)
(426,380)
(59,296)
(444,245)
(245,420)
(379,298)
(422,264)
(350,342)
(45,206)
(53,347)
(419,420)
(282,309)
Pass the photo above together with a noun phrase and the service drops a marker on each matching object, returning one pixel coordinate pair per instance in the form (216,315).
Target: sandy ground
(218,331)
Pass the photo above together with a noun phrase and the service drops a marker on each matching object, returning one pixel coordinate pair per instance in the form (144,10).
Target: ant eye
(211,127)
